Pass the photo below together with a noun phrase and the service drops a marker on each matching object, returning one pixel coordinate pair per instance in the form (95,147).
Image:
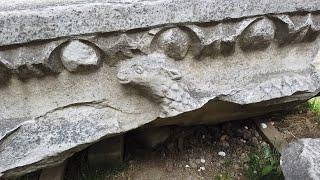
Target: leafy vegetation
(314,105)
(264,164)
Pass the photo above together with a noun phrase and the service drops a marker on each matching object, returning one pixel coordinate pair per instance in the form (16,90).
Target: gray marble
(23,21)
(301,160)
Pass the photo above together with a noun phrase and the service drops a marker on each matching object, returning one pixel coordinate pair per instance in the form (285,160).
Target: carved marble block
(74,72)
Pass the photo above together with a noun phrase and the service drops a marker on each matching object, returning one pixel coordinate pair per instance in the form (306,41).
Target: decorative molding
(85,53)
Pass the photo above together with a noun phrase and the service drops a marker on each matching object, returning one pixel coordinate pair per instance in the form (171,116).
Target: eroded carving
(296,28)
(117,47)
(31,61)
(280,87)
(201,40)
(258,35)
(161,80)
(174,42)
(220,39)
(78,56)
(50,58)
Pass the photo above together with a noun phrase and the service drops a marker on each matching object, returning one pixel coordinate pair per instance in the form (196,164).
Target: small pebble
(221,153)
(187,166)
(202,160)
(242,140)
(263,125)
(246,127)
(202,168)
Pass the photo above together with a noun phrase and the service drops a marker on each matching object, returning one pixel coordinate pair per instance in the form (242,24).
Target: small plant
(222,176)
(264,164)
(314,106)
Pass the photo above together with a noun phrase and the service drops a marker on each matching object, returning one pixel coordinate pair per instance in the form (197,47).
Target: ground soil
(189,153)
(182,160)
(299,123)
(193,152)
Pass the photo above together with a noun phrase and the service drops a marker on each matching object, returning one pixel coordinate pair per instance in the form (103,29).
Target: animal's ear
(174,74)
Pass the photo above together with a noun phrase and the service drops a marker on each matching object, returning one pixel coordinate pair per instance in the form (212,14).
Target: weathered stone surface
(174,42)
(77,56)
(296,28)
(258,35)
(301,160)
(220,39)
(29,61)
(315,26)
(174,73)
(24,21)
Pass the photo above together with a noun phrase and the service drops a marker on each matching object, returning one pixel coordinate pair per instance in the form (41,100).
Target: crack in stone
(96,104)
(13,131)
(100,104)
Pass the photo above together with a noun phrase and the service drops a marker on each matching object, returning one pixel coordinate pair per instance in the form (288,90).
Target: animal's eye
(138,69)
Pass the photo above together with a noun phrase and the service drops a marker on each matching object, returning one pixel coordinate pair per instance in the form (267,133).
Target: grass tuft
(264,164)
(314,106)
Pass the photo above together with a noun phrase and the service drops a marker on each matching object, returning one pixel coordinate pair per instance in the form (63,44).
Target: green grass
(314,106)
(264,164)
(223,176)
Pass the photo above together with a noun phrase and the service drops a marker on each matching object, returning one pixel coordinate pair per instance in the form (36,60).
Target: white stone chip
(263,125)
(202,160)
(221,153)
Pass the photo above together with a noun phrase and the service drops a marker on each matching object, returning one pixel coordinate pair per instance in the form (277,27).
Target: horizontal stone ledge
(88,53)
(23,21)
